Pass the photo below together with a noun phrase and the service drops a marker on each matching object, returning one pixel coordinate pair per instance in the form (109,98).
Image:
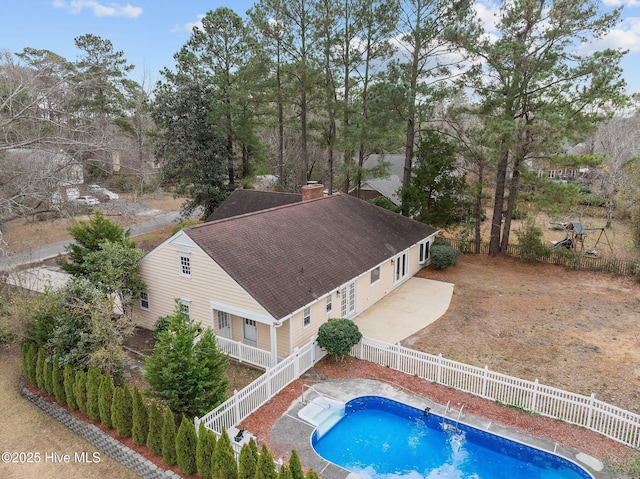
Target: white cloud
(189,26)
(99,10)
(620,3)
(487,13)
(626,37)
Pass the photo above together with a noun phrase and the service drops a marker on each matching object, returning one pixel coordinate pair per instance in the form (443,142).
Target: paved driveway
(406,310)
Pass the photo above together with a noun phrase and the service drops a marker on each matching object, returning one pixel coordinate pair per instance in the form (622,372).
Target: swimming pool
(379,438)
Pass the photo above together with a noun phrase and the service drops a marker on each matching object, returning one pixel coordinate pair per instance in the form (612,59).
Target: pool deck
(291,432)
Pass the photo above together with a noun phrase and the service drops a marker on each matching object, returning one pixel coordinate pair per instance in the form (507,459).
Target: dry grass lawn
(25,428)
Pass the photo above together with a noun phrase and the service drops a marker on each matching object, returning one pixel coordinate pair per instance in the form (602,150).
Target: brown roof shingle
(241,202)
(288,257)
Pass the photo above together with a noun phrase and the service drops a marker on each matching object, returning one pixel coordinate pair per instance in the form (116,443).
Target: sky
(149,32)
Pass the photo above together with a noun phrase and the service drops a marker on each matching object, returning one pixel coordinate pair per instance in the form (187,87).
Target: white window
(552,174)
(348,300)
(185,265)
(329,303)
(401,267)
(185,306)
(424,252)
(144,299)
(306,316)
(572,173)
(375,275)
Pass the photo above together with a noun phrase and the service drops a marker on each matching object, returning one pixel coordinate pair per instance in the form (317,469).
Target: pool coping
(291,432)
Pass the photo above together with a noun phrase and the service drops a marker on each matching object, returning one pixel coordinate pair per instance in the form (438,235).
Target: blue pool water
(379,438)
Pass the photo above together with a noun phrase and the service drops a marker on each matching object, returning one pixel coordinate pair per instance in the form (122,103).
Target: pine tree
(223,460)
(140,428)
(116,409)
(248,461)
(57,377)
(266,468)
(81,390)
(40,369)
(204,450)
(69,376)
(105,400)
(154,436)
(47,376)
(295,465)
(169,439)
(186,441)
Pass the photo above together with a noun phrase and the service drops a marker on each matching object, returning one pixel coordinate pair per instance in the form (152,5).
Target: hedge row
(117,407)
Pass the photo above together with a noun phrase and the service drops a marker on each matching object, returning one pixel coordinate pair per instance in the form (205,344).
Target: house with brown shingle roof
(271,277)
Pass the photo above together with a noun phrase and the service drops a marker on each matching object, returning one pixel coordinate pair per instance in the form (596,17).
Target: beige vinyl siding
(160,271)
(283,335)
(301,335)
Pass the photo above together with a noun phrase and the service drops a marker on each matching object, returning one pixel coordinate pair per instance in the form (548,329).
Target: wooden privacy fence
(586,411)
(609,264)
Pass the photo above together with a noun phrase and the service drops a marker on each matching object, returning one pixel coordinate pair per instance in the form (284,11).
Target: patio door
(401,267)
(224,324)
(249,332)
(348,300)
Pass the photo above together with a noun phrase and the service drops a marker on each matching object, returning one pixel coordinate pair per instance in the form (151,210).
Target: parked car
(87,200)
(97,189)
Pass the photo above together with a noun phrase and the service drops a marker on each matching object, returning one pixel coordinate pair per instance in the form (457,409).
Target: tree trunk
(498,203)
(478,207)
(514,188)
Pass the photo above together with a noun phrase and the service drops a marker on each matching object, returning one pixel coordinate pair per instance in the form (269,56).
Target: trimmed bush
(284,473)
(248,461)
(312,474)
(69,377)
(94,378)
(126,420)
(338,336)
(169,439)
(443,256)
(40,368)
(154,436)
(266,468)
(32,360)
(295,466)
(81,390)
(47,376)
(140,428)
(105,401)
(223,461)
(186,442)
(57,377)
(204,450)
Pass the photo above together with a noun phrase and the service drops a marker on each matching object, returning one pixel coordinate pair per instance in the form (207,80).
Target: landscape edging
(98,438)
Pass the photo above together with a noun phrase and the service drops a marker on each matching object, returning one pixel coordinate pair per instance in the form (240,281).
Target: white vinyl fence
(586,411)
(245,402)
(244,353)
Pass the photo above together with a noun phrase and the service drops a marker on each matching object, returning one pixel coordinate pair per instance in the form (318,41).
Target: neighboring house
(389,185)
(51,174)
(271,277)
(543,167)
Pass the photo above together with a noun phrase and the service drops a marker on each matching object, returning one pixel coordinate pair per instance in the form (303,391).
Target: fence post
(534,397)
(296,362)
(590,414)
(240,351)
(398,358)
(484,381)
(269,374)
(236,407)
(439,370)
(196,422)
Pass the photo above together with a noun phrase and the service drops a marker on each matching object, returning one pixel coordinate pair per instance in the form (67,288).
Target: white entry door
(348,300)
(224,324)
(250,332)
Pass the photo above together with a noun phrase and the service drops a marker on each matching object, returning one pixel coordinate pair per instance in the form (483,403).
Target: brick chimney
(312,192)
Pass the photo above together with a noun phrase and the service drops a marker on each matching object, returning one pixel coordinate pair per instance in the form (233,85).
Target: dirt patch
(575,330)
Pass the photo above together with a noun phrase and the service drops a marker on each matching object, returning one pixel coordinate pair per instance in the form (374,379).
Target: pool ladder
(444,416)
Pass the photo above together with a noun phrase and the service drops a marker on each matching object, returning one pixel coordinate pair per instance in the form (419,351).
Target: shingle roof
(241,202)
(288,257)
